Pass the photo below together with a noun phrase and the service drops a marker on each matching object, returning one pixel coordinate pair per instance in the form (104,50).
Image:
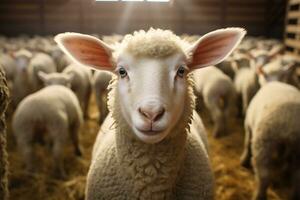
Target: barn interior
(28,28)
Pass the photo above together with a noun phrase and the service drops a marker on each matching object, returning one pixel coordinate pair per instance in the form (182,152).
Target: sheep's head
(56,79)
(22,58)
(152,69)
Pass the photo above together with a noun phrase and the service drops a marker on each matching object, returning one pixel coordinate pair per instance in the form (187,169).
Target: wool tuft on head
(155,43)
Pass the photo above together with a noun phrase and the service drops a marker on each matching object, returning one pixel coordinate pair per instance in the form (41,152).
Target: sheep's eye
(122,72)
(181,71)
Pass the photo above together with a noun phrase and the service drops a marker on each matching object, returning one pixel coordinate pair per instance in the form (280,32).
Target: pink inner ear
(88,52)
(212,49)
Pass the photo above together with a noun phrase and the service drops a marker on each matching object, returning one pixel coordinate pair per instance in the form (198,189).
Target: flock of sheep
(150,91)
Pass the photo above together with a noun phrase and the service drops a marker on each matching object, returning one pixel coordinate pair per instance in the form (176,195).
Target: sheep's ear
(86,50)
(214,47)
(43,76)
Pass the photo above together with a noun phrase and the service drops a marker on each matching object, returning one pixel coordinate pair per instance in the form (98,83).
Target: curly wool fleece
(123,167)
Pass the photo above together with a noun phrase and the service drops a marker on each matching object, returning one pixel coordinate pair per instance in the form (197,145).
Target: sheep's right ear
(43,76)
(86,50)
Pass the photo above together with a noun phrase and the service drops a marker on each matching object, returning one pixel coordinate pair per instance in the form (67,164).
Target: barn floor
(232,181)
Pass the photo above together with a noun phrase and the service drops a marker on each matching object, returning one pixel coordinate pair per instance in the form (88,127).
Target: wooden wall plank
(191,16)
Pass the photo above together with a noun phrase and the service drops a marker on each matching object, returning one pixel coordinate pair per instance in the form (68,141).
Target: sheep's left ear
(214,47)
(86,50)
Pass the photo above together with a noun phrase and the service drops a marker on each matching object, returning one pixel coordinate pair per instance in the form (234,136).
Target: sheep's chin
(148,138)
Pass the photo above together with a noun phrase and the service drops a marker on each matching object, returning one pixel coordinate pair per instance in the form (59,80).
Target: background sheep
(55,110)
(39,62)
(9,66)
(136,160)
(3,154)
(246,84)
(218,94)
(273,135)
(22,85)
(61,60)
(282,69)
(227,67)
(101,81)
(80,84)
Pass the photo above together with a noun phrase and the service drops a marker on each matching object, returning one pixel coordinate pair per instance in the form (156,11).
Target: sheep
(9,67)
(227,67)
(281,69)
(273,135)
(147,150)
(81,84)
(217,92)
(61,60)
(21,86)
(262,57)
(232,64)
(55,110)
(245,80)
(3,154)
(26,79)
(79,80)
(246,84)
(39,62)
(101,81)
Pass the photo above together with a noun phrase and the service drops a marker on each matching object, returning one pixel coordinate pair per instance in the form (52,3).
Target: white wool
(155,43)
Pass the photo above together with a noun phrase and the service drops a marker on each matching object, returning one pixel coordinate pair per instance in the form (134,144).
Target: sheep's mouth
(150,132)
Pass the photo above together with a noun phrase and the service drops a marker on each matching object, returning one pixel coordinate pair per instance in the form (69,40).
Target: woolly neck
(152,168)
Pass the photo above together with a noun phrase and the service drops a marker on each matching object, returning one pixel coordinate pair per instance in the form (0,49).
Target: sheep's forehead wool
(155,43)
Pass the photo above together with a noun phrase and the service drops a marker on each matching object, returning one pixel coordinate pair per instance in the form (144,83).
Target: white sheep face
(152,68)
(153,93)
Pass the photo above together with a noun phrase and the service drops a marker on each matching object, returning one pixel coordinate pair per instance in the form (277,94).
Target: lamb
(272,136)
(246,84)
(281,69)
(3,154)
(79,80)
(227,67)
(217,92)
(262,57)
(55,110)
(101,81)
(39,62)
(9,67)
(80,84)
(21,86)
(232,64)
(147,150)
(61,60)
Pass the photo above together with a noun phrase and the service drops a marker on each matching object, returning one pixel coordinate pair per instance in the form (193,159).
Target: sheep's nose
(152,113)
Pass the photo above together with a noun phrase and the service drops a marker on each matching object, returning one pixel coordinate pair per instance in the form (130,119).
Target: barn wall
(259,17)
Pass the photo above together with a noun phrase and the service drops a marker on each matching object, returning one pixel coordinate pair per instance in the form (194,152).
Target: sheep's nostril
(159,114)
(152,114)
